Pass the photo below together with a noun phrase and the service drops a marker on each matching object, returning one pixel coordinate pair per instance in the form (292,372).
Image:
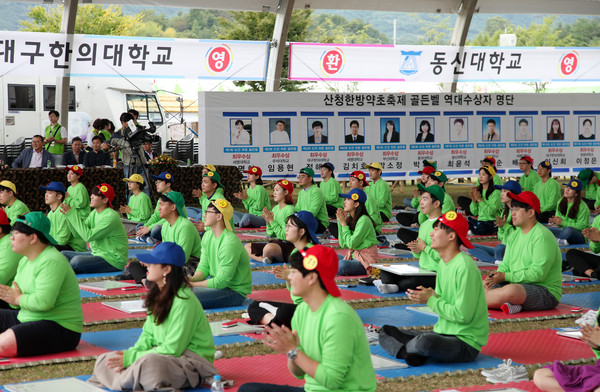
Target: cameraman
(120,139)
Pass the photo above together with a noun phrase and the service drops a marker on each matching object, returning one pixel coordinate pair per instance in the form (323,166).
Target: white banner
(441,64)
(48,54)
(284,132)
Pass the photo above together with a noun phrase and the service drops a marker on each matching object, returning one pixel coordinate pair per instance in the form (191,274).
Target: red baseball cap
(4,218)
(324,260)
(427,170)
(108,191)
(285,184)
(528,198)
(254,170)
(459,224)
(490,159)
(360,175)
(527,158)
(75,169)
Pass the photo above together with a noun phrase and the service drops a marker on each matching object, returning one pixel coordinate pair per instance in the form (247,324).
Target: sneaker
(509,374)
(509,308)
(368,281)
(150,241)
(588,318)
(383,241)
(267,260)
(500,368)
(218,354)
(561,241)
(372,334)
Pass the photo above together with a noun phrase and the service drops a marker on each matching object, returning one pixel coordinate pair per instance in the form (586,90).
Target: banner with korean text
(284,132)
(441,64)
(49,54)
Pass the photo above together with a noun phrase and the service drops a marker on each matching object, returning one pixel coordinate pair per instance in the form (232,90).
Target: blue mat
(397,316)
(97,275)
(125,338)
(242,307)
(87,294)
(482,362)
(259,264)
(585,300)
(135,252)
(261,277)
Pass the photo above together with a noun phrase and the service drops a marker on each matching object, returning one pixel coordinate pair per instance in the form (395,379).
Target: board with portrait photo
(490,129)
(279,131)
(390,130)
(317,131)
(523,129)
(587,128)
(424,129)
(459,129)
(240,131)
(556,128)
(354,130)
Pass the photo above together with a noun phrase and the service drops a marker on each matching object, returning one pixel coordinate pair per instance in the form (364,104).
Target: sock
(388,288)
(377,282)
(510,308)
(269,308)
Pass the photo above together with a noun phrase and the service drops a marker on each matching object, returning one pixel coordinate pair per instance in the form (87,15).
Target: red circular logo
(332,62)
(218,59)
(569,63)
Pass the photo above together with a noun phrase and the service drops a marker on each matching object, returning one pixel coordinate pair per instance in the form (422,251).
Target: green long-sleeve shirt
(18,208)
(334,336)
(183,233)
(447,205)
(141,207)
(533,258)
(591,189)
(549,194)
(312,199)
(428,258)
(505,231)
(362,237)
(581,221)
(79,199)
(595,246)
(9,261)
(50,290)
(225,263)
(257,200)
(373,210)
(277,227)
(380,190)
(489,208)
(528,181)
(60,231)
(105,233)
(331,191)
(185,328)
(460,301)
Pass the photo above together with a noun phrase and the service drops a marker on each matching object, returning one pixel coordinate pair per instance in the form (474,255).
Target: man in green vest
(55,136)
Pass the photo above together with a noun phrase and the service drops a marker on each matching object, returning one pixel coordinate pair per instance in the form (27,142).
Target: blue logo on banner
(409,64)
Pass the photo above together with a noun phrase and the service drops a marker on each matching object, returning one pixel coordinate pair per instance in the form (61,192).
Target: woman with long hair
(425,133)
(331,189)
(356,234)
(485,204)
(555,131)
(572,216)
(176,348)
(255,200)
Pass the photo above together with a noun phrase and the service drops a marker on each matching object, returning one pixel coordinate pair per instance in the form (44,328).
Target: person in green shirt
(255,200)
(9,260)
(310,198)
(8,199)
(432,199)
(223,277)
(211,190)
(358,180)
(547,190)
(485,204)
(529,277)
(356,234)
(530,176)
(277,249)
(150,230)
(572,216)
(331,189)
(65,238)
(328,348)
(46,315)
(77,196)
(103,230)
(458,299)
(583,262)
(55,136)
(411,219)
(176,348)
(491,161)
(589,179)
(139,206)
(380,189)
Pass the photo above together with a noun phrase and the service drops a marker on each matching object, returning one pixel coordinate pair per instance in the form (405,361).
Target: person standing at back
(55,136)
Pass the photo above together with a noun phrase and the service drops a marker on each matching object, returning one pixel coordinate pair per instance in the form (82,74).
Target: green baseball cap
(216,177)
(435,190)
(40,222)
(430,163)
(585,175)
(178,200)
(308,171)
(439,175)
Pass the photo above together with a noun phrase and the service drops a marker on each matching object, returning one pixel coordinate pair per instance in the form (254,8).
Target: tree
(436,32)
(327,28)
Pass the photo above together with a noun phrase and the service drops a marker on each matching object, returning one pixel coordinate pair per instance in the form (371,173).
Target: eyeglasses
(211,212)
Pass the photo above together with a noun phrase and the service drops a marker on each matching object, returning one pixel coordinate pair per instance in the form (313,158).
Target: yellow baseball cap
(9,185)
(135,178)
(210,167)
(374,165)
(226,209)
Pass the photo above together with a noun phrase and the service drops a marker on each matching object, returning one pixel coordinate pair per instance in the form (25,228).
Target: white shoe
(268,260)
(509,374)
(218,354)
(470,232)
(491,372)
(561,241)
(372,335)
(497,262)
(588,318)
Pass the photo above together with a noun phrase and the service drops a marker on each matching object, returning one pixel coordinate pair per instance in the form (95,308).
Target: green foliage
(327,28)
(436,31)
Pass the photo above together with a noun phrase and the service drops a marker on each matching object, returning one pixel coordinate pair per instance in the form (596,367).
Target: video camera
(140,135)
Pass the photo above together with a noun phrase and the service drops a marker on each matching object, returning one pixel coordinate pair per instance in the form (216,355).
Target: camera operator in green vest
(55,136)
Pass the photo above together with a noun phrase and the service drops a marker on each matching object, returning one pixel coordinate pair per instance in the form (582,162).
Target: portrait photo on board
(555,126)
(390,130)
(317,130)
(459,129)
(424,129)
(523,129)
(279,131)
(354,130)
(490,129)
(240,131)
(587,128)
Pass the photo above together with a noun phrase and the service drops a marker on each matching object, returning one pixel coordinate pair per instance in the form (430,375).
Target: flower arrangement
(3,165)
(163,163)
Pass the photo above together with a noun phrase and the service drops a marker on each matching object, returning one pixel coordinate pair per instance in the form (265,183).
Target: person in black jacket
(76,156)
(96,157)
(354,137)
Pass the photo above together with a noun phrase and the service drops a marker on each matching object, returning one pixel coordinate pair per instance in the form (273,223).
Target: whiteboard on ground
(276,131)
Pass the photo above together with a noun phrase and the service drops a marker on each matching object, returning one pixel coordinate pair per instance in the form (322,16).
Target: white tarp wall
(460,131)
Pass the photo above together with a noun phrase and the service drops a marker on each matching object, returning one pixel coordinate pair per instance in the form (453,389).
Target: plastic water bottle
(216,386)
(189,163)
(48,164)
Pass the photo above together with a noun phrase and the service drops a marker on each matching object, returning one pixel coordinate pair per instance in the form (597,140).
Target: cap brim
(149,258)
(421,187)
(466,242)
(50,239)
(332,288)
(313,236)
(518,198)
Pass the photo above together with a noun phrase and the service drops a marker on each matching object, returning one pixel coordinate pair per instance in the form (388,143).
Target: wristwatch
(292,354)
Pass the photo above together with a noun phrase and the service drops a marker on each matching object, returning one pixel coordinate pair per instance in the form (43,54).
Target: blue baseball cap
(54,186)
(311,223)
(164,253)
(356,195)
(328,165)
(512,186)
(164,176)
(576,185)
